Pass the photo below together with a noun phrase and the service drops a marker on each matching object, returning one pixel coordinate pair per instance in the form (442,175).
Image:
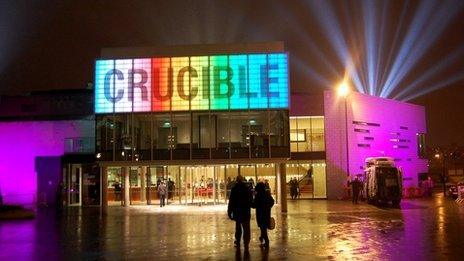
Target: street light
(343,90)
(443,169)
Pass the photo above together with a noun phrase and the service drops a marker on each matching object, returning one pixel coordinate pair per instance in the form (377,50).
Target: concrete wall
(22,142)
(302,104)
(376,127)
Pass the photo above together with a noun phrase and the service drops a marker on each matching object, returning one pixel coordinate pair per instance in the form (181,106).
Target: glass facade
(193,135)
(186,185)
(307,134)
(115,186)
(421,146)
(200,108)
(311,177)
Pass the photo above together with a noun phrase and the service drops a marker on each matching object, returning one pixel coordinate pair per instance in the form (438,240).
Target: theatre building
(197,116)
(194,121)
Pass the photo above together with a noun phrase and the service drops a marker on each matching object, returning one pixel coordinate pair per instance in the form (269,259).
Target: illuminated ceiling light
(98,155)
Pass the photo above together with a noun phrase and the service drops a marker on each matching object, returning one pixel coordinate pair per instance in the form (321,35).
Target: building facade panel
(24,143)
(372,127)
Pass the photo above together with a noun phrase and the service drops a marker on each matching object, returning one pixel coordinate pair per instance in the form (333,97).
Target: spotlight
(343,89)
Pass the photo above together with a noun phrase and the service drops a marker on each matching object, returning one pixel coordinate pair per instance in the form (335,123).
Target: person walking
(356,187)
(239,210)
(162,194)
(292,188)
(263,203)
(429,186)
(171,188)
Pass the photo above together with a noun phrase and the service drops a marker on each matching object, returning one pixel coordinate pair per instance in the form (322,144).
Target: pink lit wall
(376,127)
(22,142)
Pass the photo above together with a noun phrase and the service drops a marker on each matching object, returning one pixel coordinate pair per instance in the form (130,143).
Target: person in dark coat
(292,186)
(162,194)
(171,188)
(239,210)
(263,203)
(356,187)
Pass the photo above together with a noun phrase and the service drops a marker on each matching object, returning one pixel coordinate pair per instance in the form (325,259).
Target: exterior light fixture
(343,89)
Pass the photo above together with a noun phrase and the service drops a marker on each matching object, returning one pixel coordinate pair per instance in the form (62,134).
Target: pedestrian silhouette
(263,203)
(239,210)
(356,187)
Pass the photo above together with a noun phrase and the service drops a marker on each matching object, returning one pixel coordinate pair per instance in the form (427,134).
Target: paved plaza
(424,229)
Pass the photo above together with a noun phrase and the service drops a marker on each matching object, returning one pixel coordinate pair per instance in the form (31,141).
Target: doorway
(198,185)
(75,185)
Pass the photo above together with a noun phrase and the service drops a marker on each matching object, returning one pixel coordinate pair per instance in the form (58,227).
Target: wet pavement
(424,229)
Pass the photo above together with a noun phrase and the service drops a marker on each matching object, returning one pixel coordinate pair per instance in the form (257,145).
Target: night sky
(53,44)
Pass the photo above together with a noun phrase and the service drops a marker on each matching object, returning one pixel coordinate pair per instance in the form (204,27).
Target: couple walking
(239,209)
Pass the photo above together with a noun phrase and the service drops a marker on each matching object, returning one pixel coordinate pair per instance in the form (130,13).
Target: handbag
(271,223)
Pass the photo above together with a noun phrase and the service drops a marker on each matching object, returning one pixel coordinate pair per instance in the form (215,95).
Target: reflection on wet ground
(426,229)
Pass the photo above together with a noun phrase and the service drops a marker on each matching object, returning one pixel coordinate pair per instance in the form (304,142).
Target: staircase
(306,187)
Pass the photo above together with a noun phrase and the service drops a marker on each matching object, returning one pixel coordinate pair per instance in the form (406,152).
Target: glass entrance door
(201,185)
(75,185)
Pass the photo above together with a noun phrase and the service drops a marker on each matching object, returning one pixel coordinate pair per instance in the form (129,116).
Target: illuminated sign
(219,82)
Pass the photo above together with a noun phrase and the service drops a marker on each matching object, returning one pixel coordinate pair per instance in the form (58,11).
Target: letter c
(120,94)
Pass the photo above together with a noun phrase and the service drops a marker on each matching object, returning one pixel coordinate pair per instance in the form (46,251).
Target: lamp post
(443,170)
(343,91)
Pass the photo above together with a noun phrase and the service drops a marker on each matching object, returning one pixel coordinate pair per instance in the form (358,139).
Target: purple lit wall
(22,142)
(376,127)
